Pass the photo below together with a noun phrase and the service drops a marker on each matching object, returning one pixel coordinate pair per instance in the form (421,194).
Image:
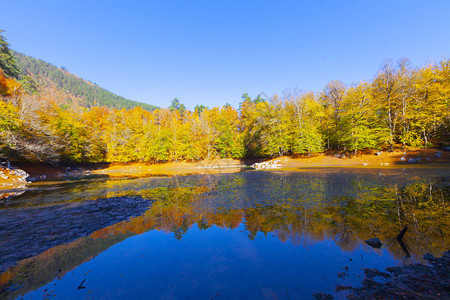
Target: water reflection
(304,209)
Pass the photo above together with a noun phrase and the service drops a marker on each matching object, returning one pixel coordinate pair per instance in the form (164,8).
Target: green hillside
(89,93)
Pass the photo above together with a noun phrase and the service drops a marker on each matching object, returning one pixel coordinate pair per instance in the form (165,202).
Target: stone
(429,257)
(374,242)
(267,165)
(403,158)
(412,160)
(438,154)
(21,173)
(322,296)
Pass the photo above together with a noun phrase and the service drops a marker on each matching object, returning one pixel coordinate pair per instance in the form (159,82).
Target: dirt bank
(172,169)
(410,158)
(427,157)
(381,159)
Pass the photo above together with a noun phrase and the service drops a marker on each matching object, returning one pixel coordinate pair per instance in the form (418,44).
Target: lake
(282,234)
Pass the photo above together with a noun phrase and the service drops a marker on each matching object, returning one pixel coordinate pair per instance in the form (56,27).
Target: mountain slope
(85,93)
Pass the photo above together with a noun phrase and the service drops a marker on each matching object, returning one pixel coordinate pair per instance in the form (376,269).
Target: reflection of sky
(206,262)
(296,231)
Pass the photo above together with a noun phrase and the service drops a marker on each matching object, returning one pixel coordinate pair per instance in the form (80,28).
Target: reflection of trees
(303,209)
(298,207)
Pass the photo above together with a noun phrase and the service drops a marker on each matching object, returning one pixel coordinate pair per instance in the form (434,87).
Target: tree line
(402,106)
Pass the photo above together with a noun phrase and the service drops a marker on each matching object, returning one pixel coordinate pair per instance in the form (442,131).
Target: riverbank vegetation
(401,106)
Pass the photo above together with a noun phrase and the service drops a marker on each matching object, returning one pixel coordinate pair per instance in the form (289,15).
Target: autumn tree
(332,97)
(307,135)
(386,91)
(226,137)
(359,120)
(428,113)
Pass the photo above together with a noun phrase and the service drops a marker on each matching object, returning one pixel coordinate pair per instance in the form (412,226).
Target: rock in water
(429,257)
(322,296)
(267,165)
(13,177)
(374,243)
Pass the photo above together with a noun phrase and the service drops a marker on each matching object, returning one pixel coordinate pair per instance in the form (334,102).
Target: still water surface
(246,235)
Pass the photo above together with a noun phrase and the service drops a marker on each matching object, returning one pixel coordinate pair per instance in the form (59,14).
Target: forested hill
(86,93)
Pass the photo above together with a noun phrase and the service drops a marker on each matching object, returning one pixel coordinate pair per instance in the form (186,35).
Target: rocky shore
(415,281)
(11,177)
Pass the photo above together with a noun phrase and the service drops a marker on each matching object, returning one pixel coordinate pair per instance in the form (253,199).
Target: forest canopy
(402,106)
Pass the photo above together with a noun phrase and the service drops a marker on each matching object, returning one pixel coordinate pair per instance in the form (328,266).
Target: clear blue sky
(210,52)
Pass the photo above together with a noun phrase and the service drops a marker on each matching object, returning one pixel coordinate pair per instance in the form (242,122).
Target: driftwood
(402,242)
(81,285)
(402,233)
(404,247)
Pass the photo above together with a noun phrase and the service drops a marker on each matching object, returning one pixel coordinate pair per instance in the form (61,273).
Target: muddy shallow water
(255,234)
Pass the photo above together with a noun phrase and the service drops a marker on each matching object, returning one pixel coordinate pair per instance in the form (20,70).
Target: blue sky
(211,52)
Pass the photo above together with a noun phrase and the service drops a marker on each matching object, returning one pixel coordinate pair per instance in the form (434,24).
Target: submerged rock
(415,281)
(32,230)
(322,296)
(429,257)
(370,273)
(374,242)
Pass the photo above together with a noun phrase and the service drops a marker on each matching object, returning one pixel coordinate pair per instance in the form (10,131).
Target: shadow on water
(47,233)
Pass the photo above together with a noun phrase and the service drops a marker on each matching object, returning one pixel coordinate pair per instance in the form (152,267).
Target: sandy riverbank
(37,172)
(172,168)
(428,157)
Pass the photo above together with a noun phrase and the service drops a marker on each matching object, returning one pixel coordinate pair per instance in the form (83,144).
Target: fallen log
(402,233)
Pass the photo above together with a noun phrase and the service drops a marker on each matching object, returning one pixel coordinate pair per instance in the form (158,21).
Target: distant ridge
(86,93)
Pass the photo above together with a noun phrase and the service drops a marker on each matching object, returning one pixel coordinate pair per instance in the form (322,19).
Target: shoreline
(426,158)
(369,161)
